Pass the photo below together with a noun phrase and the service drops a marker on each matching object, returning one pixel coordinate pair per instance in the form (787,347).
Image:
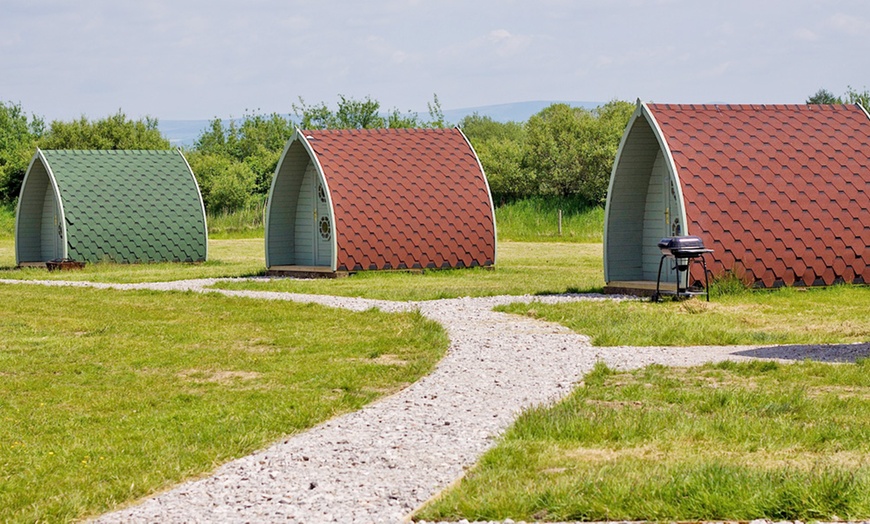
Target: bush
(226,184)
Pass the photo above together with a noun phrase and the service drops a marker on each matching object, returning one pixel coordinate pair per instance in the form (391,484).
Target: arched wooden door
(324,229)
(661,219)
(314,228)
(51,230)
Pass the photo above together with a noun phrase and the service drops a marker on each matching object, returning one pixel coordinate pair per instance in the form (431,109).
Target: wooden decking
(642,288)
(32,264)
(305,272)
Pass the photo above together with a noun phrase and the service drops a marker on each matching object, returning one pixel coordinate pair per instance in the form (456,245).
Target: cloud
(641,56)
(382,48)
(506,44)
(849,24)
(717,70)
(806,35)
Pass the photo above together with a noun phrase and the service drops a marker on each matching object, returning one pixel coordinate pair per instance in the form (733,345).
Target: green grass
(108,396)
(537,220)
(522,268)
(721,442)
(246,223)
(836,314)
(7,222)
(226,258)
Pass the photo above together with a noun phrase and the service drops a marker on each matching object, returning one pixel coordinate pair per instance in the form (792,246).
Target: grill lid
(681,247)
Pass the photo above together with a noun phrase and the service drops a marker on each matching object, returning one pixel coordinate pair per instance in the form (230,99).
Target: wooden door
(323,227)
(51,232)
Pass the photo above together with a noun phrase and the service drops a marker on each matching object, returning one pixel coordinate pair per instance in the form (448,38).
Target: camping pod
(114,206)
(778,192)
(378,199)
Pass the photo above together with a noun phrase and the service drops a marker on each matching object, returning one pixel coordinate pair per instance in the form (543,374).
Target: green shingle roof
(129,206)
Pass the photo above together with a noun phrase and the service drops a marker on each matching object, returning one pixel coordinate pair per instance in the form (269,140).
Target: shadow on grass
(572,291)
(817,352)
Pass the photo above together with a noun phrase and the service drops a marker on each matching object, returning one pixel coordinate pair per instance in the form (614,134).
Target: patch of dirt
(259,346)
(384,360)
(840,391)
(198,376)
(802,460)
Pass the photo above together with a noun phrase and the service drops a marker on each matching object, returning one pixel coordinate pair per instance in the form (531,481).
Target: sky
(192,59)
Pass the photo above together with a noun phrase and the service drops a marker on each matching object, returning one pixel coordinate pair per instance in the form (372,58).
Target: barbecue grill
(683,250)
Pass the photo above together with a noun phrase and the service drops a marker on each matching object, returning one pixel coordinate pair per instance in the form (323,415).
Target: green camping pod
(114,206)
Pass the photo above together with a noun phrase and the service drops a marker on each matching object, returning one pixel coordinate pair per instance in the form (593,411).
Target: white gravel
(381,463)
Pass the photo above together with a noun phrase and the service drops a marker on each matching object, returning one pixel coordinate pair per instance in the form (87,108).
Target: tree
(225,183)
(358,114)
(258,141)
(853,96)
(351,114)
(398,120)
(436,115)
(18,137)
(364,114)
(113,132)
(500,149)
(570,151)
(823,96)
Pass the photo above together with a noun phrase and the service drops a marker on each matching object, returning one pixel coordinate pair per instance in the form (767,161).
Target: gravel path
(382,462)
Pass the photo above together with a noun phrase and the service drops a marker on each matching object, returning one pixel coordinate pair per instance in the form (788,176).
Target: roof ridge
(751,107)
(110,151)
(380,130)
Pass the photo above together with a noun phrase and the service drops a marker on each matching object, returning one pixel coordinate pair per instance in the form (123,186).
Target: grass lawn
(836,314)
(226,258)
(543,268)
(537,220)
(107,396)
(723,442)
(523,268)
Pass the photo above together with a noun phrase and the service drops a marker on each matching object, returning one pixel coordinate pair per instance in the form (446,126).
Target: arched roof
(780,192)
(404,198)
(122,206)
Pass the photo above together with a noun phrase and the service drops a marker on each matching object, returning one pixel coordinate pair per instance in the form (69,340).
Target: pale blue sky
(199,59)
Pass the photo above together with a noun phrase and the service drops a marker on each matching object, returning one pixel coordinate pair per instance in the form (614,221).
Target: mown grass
(537,220)
(227,258)
(522,268)
(108,396)
(721,442)
(835,314)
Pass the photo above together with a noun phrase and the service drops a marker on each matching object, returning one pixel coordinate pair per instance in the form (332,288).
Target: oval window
(321,193)
(325,228)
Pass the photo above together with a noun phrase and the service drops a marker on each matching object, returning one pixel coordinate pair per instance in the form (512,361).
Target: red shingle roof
(406,198)
(780,192)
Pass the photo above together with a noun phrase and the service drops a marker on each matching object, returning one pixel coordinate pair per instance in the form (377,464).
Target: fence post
(560,222)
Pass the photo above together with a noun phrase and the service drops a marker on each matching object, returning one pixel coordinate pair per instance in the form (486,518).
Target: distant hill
(183,133)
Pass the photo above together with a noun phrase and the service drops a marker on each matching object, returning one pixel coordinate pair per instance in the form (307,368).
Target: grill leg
(706,276)
(655,298)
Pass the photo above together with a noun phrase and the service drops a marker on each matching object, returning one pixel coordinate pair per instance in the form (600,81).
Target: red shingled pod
(399,199)
(779,191)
